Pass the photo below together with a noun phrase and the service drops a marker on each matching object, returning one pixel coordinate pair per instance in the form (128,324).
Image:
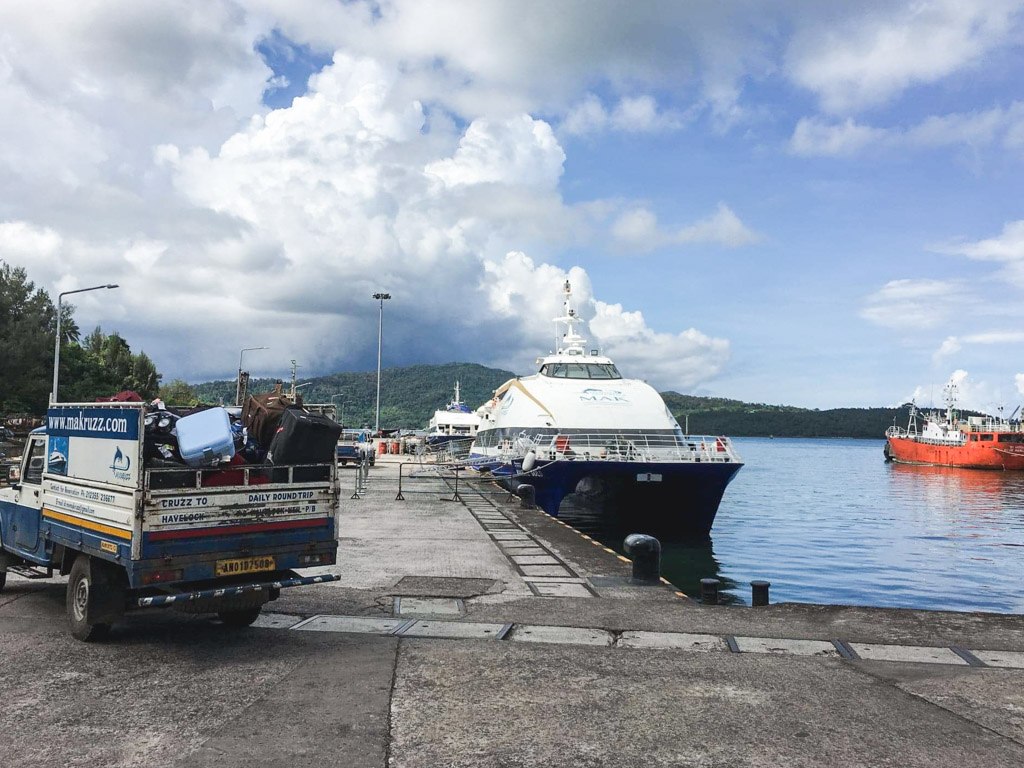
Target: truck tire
(81,602)
(240,618)
(3,579)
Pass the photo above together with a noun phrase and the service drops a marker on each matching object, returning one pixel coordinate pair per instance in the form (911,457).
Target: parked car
(354,445)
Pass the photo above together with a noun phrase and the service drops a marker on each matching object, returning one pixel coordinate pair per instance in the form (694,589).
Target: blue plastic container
(205,438)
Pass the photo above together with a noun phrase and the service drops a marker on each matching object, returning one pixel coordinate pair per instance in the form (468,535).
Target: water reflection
(685,560)
(958,492)
(828,521)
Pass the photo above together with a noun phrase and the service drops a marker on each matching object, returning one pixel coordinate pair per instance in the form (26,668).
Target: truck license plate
(648,477)
(244,565)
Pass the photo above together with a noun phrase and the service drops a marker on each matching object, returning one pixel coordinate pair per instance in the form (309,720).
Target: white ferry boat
(577,420)
(452,425)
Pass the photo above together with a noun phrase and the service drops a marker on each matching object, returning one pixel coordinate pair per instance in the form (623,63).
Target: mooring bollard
(646,554)
(527,496)
(709,591)
(759,592)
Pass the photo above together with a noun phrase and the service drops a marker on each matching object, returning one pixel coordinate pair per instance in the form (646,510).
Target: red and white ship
(946,440)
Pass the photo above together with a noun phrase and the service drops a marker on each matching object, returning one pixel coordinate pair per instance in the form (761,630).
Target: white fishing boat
(453,426)
(578,421)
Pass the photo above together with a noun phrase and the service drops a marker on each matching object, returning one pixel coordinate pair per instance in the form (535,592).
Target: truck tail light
(160,577)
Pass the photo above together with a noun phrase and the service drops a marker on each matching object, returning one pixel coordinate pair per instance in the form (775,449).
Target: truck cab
(19,528)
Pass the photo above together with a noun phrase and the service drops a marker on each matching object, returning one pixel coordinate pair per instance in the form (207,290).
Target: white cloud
(975,394)
(954,344)
(950,346)
(344,192)
(913,304)
(520,150)
(870,55)
(812,136)
(632,114)
(723,227)
(587,116)
(503,57)
(637,229)
(968,393)
(995,127)
(141,152)
(529,295)
(1007,246)
(1018,381)
(24,242)
(145,254)
(669,361)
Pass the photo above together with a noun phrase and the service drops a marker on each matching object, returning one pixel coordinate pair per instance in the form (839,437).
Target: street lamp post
(238,385)
(341,420)
(382,297)
(56,345)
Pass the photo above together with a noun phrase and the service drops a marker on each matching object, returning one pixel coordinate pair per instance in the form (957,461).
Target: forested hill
(409,397)
(717,416)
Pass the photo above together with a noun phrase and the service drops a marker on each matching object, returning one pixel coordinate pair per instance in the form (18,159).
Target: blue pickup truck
(355,445)
(222,540)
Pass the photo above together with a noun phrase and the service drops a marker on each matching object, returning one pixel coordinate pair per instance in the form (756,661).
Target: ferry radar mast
(572,343)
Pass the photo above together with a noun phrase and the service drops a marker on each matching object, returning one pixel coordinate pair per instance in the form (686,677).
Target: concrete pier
(470,631)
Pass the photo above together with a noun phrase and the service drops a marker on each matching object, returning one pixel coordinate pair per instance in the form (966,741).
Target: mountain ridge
(411,394)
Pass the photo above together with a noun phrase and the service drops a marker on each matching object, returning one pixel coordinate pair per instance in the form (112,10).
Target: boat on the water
(943,438)
(578,424)
(453,426)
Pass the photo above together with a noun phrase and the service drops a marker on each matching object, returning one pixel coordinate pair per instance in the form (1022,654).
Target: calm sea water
(828,521)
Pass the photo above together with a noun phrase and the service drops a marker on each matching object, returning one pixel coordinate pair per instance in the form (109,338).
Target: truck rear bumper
(291,580)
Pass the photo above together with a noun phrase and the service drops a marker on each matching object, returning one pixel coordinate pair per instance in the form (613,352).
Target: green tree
(27,320)
(94,341)
(97,366)
(116,356)
(144,378)
(178,392)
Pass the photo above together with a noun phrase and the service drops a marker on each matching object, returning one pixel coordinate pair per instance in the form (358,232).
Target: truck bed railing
(237,475)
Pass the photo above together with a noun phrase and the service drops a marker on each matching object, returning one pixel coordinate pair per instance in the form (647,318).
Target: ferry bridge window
(985,438)
(1014,438)
(581,371)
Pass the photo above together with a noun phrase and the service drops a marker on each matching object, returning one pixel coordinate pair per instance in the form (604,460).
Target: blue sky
(788,202)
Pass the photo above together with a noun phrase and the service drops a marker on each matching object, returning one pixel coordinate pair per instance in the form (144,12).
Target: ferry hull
(971,455)
(686,495)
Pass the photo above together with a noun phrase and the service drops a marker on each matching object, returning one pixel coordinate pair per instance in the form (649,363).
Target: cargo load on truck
(142,507)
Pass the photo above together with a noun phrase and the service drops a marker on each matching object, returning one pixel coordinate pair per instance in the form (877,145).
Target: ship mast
(950,396)
(572,341)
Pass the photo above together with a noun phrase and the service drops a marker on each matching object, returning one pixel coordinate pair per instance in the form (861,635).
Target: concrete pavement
(669,682)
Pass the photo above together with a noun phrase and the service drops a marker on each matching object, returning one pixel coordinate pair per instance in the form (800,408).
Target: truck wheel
(241,618)
(81,602)
(3,580)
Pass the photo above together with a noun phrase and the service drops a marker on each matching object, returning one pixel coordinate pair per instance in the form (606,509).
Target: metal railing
(646,447)
(168,478)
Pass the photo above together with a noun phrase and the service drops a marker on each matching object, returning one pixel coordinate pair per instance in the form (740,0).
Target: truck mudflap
(234,591)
